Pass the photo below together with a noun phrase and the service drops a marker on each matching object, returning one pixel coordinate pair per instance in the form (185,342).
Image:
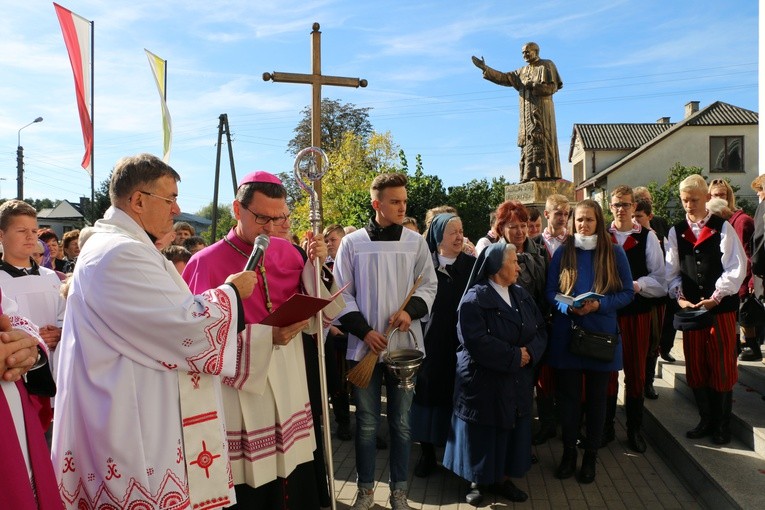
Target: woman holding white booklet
(587,262)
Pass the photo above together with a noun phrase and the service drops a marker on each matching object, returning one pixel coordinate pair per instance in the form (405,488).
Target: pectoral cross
(316,80)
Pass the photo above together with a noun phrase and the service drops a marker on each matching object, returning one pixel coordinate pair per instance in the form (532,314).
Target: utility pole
(20,162)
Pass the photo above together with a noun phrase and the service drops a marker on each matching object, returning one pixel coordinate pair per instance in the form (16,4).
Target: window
(726,153)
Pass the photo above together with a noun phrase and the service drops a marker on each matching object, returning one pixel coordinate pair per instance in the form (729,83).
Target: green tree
(666,197)
(294,191)
(474,201)
(226,220)
(42,203)
(423,191)
(102,200)
(336,120)
(345,186)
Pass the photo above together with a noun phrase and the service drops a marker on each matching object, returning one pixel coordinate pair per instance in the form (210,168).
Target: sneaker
(365,499)
(398,500)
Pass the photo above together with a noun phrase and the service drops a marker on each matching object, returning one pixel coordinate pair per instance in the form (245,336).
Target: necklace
(261,268)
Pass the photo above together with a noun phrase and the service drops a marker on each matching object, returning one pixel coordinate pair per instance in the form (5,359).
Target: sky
(620,60)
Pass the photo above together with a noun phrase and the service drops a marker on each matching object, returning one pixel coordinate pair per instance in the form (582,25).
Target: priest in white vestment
(268,413)
(138,415)
(379,264)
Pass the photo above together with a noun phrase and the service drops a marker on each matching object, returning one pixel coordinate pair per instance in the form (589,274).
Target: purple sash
(14,484)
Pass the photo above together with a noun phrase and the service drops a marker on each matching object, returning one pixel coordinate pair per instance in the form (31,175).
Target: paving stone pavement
(625,480)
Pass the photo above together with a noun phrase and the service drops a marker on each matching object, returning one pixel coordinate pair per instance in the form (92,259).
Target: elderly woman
(432,405)
(513,227)
(502,335)
(587,261)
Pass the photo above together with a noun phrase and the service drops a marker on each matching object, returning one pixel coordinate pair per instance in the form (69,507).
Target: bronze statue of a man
(536,83)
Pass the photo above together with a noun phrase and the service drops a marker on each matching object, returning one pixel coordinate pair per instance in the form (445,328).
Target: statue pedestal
(535,193)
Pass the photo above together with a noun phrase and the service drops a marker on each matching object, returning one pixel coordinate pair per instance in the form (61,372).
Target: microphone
(258,249)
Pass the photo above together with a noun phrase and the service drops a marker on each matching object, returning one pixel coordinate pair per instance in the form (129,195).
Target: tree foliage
(337,119)
(102,200)
(666,197)
(42,203)
(345,186)
(226,220)
(474,201)
(423,191)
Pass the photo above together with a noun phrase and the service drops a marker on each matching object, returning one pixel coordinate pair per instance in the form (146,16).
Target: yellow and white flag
(159,70)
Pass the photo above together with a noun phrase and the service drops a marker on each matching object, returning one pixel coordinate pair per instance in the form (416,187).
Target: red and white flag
(78,37)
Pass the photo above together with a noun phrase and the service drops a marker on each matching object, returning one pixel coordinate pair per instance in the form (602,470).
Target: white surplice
(39,299)
(133,332)
(379,275)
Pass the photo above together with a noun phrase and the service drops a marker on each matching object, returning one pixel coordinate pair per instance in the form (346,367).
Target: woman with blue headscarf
(432,405)
(502,336)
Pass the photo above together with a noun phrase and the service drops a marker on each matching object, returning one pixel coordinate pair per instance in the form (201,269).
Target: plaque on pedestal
(535,193)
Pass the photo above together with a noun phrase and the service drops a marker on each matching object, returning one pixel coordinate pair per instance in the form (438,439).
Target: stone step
(748,417)
(729,476)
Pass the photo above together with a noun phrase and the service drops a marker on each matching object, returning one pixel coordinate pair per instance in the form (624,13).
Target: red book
(298,307)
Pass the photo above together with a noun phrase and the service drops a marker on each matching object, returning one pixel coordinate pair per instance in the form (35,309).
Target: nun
(433,396)
(502,336)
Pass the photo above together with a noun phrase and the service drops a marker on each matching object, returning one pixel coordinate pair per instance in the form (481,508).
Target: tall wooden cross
(316,80)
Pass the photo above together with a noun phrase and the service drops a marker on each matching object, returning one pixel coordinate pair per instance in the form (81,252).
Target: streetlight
(20,162)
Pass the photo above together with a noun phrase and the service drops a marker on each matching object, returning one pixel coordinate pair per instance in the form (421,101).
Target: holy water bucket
(403,363)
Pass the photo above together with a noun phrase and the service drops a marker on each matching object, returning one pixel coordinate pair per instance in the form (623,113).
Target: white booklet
(577,301)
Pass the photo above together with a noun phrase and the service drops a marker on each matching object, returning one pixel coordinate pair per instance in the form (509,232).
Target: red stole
(14,484)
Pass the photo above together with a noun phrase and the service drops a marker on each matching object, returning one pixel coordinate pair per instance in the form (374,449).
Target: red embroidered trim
(268,441)
(200,418)
(210,361)
(172,495)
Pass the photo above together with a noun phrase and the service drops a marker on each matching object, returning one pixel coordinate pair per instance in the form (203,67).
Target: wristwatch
(41,359)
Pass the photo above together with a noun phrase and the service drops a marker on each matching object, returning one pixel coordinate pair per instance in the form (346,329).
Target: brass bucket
(403,363)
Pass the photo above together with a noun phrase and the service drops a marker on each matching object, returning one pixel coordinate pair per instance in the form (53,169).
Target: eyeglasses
(621,205)
(170,201)
(261,219)
(717,181)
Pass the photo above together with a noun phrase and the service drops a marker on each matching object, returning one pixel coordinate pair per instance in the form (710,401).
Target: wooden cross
(316,80)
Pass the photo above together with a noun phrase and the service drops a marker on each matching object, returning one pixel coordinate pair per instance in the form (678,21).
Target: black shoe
(567,466)
(543,435)
(474,495)
(668,357)
(721,437)
(650,391)
(587,472)
(609,434)
(343,431)
(381,443)
(636,441)
(425,466)
(508,490)
(534,459)
(749,355)
(703,429)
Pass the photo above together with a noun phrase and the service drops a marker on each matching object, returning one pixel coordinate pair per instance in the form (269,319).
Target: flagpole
(93,127)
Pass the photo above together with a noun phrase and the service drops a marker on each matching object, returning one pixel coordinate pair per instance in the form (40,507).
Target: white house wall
(690,147)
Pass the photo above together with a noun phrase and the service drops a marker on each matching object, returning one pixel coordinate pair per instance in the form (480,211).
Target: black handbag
(751,313)
(593,344)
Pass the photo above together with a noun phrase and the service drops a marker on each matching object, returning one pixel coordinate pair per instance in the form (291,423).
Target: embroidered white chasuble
(132,330)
